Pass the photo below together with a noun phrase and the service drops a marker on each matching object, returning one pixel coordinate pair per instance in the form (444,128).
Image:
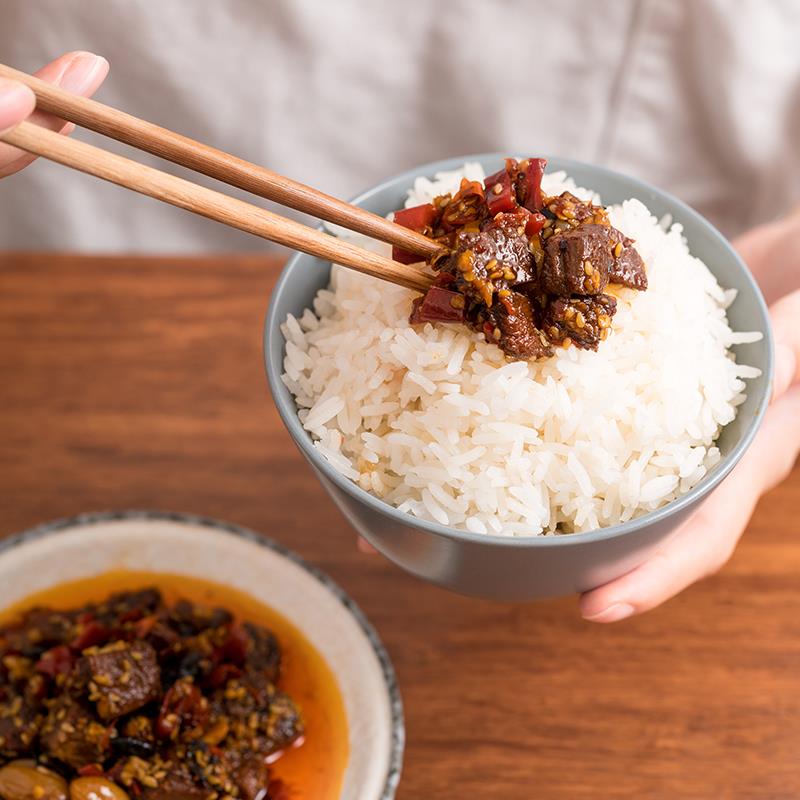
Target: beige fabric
(699,96)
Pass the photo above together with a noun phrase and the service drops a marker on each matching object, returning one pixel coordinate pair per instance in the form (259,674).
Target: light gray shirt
(701,97)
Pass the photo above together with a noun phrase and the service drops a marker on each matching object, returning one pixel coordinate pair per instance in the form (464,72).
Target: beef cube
(627,267)
(574,211)
(40,630)
(159,634)
(577,261)
(263,652)
(493,258)
(128,606)
(258,714)
(122,677)
(252,778)
(283,724)
(163,780)
(20,721)
(189,619)
(584,321)
(71,734)
(511,326)
(178,785)
(48,628)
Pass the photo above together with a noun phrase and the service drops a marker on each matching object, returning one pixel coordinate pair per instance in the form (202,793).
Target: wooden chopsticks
(208,203)
(222,166)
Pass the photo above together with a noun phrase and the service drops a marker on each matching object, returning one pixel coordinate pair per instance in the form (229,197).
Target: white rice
(436,422)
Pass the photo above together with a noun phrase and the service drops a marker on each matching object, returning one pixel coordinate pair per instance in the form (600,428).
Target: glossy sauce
(311,771)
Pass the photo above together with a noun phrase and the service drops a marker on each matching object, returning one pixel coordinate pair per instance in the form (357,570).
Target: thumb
(17,102)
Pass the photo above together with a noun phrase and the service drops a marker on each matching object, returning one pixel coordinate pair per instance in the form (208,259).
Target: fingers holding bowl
(704,544)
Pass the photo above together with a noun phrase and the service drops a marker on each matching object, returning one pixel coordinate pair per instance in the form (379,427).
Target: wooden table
(138,383)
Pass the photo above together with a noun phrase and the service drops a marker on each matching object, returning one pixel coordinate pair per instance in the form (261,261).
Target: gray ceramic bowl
(526,568)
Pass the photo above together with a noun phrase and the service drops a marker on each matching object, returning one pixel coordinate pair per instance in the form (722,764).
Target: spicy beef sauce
(312,768)
(528,271)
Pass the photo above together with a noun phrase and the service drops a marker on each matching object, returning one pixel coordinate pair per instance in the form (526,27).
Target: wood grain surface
(138,383)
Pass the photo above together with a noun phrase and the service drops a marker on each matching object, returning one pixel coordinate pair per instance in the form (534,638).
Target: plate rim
(397,717)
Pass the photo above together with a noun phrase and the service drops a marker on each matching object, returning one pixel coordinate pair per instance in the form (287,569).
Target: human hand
(78,72)
(707,540)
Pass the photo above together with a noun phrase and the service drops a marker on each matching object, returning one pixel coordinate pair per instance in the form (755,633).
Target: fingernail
(81,72)
(365,547)
(614,613)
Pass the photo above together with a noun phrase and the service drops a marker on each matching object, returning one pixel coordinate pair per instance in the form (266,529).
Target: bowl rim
(57,527)
(302,439)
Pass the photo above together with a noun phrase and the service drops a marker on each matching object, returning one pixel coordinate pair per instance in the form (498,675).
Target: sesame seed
(497,188)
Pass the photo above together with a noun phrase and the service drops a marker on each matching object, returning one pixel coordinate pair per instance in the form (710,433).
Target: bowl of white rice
(524,479)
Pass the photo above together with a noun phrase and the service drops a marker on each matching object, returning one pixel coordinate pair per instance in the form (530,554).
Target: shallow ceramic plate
(92,544)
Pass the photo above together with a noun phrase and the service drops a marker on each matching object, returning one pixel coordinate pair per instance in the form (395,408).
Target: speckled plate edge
(99,517)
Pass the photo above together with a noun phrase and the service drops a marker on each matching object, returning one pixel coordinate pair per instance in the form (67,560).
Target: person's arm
(79,73)
(707,540)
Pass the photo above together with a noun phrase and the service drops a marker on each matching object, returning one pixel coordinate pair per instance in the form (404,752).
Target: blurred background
(701,97)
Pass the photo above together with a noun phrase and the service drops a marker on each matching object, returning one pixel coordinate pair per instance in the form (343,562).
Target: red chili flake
(183,705)
(421,219)
(531,184)
(235,648)
(278,790)
(91,635)
(535,223)
(131,615)
(467,205)
(500,195)
(417,218)
(221,674)
(56,661)
(144,626)
(438,305)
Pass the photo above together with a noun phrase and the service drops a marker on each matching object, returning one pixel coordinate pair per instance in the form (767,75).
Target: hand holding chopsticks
(207,202)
